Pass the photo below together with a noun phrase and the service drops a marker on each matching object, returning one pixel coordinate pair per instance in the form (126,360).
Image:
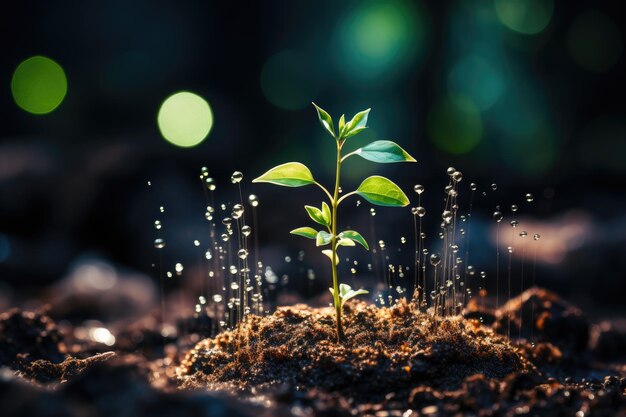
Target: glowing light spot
(38,85)
(185,119)
(288,80)
(102,335)
(455,125)
(528,17)
(477,79)
(378,37)
(594,41)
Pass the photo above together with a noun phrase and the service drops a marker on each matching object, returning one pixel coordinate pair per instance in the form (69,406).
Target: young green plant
(375,189)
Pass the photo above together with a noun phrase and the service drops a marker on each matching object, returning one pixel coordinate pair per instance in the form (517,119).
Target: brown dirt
(386,351)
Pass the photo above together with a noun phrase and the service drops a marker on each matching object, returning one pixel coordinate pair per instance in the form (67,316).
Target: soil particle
(28,336)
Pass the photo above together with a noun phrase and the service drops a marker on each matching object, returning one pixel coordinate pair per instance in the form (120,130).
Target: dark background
(549,107)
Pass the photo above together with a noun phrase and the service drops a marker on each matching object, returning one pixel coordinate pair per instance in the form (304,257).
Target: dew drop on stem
(236,177)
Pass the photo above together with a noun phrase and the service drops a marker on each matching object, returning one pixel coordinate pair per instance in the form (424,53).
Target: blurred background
(524,94)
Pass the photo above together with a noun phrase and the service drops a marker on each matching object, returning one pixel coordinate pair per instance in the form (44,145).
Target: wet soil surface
(393,362)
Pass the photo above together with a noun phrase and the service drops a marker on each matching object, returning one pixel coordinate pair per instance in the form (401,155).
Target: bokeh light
(528,17)
(479,79)
(594,41)
(455,125)
(379,37)
(288,80)
(39,85)
(185,119)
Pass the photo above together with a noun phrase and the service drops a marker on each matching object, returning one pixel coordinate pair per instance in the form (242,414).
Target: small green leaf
(355,236)
(346,293)
(325,120)
(323,238)
(359,121)
(342,124)
(317,215)
(384,151)
(344,289)
(345,242)
(326,213)
(382,192)
(307,232)
(329,253)
(291,174)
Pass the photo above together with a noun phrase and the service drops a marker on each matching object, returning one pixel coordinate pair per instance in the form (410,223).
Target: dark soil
(394,362)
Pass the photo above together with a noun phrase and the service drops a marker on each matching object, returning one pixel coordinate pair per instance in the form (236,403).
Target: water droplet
(470,270)
(246,230)
(353,271)
(234,286)
(494,186)
(381,243)
(162,209)
(242,253)
(287,259)
(447,216)
(514,223)
(373,211)
(253,200)
(529,197)
(196,243)
(157,224)
(523,233)
(149,183)
(159,243)
(237,211)
(510,249)
(483,274)
(204,171)
(473,186)
(455,248)
(536,236)
(457,176)
(225,237)
(497,216)
(419,188)
(232,269)
(451,170)
(236,177)
(210,183)
(310,274)
(435,259)
(178,268)
(227,221)
(402,239)
(514,208)
(198,308)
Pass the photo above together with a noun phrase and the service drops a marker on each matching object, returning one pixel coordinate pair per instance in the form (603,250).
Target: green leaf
(317,215)
(307,232)
(355,236)
(329,253)
(382,192)
(325,120)
(323,238)
(384,152)
(346,293)
(291,174)
(342,124)
(345,242)
(359,120)
(326,213)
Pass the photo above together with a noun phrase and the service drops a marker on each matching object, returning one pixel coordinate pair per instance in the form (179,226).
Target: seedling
(375,189)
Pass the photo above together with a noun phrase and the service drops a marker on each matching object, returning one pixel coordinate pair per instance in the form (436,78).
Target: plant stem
(333,243)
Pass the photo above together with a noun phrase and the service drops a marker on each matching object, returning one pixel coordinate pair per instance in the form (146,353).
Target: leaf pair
(375,189)
(346,292)
(345,130)
(319,216)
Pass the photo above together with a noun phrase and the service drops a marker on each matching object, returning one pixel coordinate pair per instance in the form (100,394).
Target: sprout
(375,189)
